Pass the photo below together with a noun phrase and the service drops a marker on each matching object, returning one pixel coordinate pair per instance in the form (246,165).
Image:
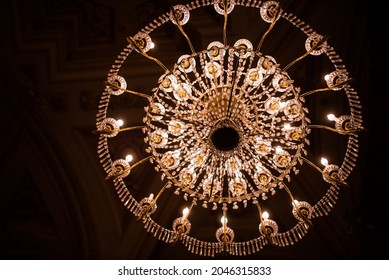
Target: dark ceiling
(54,200)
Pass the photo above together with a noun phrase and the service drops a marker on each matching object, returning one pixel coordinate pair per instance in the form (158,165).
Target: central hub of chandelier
(225,138)
(227,128)
(226,124)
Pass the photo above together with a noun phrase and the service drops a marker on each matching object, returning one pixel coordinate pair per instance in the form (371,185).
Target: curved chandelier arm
(330,178)
(179,25)
(295,204)
(316,45)
(273,22)
(118,173)
(339,84)
(127,90)
(225,23)
(135,45)
(152,204)
(340,131)
(110,131)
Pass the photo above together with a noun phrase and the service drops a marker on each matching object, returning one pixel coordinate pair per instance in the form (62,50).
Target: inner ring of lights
(226,87)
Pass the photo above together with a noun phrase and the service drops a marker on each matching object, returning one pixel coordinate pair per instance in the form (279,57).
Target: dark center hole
(225,138)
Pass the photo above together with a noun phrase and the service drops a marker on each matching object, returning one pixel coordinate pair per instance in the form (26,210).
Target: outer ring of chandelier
(334,175)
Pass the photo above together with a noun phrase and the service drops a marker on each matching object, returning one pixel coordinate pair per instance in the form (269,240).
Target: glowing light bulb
(331,117)
(119,122)
(327,77)
(129,158)
(265,215)
(295,202)
(185,212)
(324,161)
(278,149)
(152,45)
(287,126)
(151,196)
(224,220)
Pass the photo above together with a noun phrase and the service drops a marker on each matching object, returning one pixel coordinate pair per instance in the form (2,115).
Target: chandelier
(229,128)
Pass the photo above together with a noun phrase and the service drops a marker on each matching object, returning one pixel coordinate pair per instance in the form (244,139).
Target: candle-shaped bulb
(331,117)
(324,161)
(129,158)
(224,220)
(119,122)
(185,212)
(265,215)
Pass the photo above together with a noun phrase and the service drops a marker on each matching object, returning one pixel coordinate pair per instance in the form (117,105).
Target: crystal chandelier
(228,128)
